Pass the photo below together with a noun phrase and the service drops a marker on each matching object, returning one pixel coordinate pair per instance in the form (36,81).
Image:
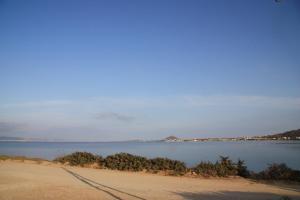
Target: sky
(122,70)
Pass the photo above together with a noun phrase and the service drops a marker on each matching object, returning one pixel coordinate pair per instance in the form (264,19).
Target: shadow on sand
(101,187)
(285,185)
(227,195)
(222,195)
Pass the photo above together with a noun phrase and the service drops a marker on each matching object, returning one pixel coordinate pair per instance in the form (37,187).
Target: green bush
(278,172)
(126,161)
(165,164)
(242,169)
(80,158)
(129,162)
(205,169)
(224,167)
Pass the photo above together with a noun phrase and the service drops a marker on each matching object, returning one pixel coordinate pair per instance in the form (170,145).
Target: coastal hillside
(292,135)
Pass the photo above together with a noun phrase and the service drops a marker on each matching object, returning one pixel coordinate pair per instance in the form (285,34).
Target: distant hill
(292,135)
(7,138)
(171,138)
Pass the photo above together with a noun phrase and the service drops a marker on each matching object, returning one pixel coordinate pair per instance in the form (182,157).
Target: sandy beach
(37,181)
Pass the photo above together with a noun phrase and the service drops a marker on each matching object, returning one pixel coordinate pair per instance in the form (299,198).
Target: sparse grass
(21,158)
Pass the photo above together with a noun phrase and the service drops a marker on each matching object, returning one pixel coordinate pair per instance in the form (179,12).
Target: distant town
(289,135)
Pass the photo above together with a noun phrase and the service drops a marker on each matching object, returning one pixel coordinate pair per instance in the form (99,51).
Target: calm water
(256,154)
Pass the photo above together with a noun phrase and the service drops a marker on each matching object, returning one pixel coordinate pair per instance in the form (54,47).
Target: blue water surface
(257,154)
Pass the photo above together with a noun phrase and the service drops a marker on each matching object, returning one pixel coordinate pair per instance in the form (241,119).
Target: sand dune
(28,180)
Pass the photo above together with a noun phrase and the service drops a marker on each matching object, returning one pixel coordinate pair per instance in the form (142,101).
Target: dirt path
(20,180)
(101,187)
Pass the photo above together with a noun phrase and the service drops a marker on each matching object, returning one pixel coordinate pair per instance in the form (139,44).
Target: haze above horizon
(121,70)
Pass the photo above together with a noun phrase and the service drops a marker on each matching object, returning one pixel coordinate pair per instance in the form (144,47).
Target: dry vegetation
(224,167)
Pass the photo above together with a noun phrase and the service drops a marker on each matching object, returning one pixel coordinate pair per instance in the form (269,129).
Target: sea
(256,154)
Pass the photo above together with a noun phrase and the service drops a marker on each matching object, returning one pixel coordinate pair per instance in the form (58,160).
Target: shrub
(224,167)
(295,176)
(285,198)
(80,158)
(242,169)
(279,172)
(165,164)
(205,169)
(126,161)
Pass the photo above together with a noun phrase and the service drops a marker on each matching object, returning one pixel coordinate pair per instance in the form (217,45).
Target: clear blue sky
(109,70)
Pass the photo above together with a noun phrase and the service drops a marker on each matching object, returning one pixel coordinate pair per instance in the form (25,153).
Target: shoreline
(45,162)
(29,179)
(178,141)
(224,167)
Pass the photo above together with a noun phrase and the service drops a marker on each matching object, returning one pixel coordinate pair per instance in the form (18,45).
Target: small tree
(242,169)
(225,167)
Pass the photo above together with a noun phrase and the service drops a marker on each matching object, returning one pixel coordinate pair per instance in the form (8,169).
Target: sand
(29,180)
